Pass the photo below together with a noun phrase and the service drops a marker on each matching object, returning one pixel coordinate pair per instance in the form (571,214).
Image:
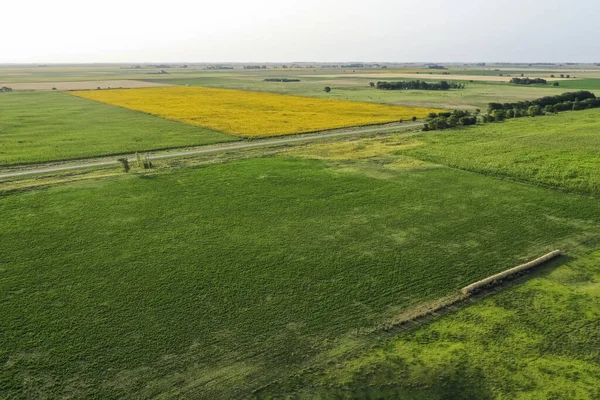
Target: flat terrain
(210,282)
(423,76)
(475,95)
(538,340)
(83,85)
(252,114)
(560,151)
(40,126)
(285,270)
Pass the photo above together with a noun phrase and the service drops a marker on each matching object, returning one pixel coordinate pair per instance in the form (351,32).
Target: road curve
(154,156)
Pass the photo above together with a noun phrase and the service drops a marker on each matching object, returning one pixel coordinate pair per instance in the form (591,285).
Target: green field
(211,282)
(581,84)
(286,271)
(559,151)
(39,126)
(538,340)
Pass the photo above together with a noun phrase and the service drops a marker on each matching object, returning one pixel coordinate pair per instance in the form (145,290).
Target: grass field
(558,151)
(39,127)
(277,272)
(538,340)
(252,114)
(581,84)
(211,282)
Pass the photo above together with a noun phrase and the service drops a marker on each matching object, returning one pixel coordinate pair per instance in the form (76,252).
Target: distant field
(427,75)
(586,84)
(42,126)
(82,85)
(477,94)
(559,151)
(209,282)
(252,114)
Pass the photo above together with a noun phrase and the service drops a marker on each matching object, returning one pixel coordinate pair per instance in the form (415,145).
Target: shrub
(125,163)
(327,89)
(534,111)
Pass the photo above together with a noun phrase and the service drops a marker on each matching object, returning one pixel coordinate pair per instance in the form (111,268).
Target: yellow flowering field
(252,114)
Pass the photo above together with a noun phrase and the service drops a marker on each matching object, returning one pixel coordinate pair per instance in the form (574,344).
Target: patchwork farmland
(295,269)
(253,114)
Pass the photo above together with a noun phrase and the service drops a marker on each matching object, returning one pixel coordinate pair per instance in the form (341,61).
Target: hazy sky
(299,30)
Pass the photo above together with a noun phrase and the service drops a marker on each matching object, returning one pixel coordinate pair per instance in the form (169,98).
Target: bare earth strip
(428,76)
(83,85)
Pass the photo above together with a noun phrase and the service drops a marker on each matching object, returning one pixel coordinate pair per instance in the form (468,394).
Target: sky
(78,31)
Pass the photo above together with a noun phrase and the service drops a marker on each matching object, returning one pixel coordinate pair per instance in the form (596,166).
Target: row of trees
(535,110)
(543,102)
(528,81)
(281,80)
(571,101)
(445,120)
(419,85)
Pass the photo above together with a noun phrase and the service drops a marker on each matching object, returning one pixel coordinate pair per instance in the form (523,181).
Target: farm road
(78,164)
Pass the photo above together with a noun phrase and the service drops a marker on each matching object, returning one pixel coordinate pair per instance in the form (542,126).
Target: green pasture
(211,282)
(560,151)
(40,126)
(538,340)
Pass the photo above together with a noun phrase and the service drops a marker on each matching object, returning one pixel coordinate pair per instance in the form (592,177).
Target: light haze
(42,31)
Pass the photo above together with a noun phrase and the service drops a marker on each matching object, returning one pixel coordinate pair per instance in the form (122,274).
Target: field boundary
(494,279)
(152,155)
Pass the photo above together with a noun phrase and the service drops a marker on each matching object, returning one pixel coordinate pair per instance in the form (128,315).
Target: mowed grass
(252,114)
(559,151)
(38,127)
(539,339)
(211,282)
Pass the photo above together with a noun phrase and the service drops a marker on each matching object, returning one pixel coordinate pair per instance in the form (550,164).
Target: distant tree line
(255,67)
(435,66)
(528,81)
(561,102)
(281,80)
(419,85)
(5,89)
(497,112)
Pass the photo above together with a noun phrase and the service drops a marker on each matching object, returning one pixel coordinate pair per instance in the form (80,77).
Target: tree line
(497,112)
(528,81)
(281,80)
(419,85)
(445,120)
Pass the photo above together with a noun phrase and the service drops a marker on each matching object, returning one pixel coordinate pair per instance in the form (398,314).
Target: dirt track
(110,160)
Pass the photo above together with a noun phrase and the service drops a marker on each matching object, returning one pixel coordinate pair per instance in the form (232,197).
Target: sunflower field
(252,114)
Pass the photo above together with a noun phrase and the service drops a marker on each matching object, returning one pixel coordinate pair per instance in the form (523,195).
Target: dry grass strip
(509,272)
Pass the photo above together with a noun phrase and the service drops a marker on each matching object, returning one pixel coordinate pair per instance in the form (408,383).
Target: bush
(125,163)
(534,111)
(327,89)
(419,85)
(528,81)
